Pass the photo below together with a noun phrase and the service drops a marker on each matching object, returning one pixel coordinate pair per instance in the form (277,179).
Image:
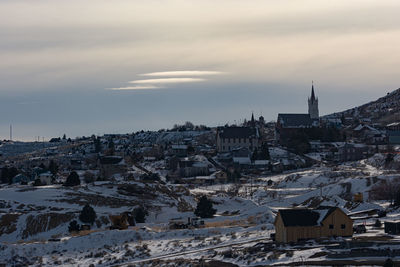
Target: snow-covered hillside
(34,224)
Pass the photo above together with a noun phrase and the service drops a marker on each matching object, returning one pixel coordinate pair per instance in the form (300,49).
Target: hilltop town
(304,189)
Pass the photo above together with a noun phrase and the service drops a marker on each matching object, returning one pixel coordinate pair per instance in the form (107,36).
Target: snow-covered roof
(261,162)
(393,124)
(179,147)
(360,127)
(242,160)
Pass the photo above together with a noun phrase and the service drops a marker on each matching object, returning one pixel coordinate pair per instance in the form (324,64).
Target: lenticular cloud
(164,78)
(138,87)
(182,73)
(167,80)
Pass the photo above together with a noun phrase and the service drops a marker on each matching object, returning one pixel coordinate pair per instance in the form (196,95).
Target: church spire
(252,122)
(312,92)
(313,104)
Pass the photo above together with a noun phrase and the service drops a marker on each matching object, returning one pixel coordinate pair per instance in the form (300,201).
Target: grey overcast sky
(95,67)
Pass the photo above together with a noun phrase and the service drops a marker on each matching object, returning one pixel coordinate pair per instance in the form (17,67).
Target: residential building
(231,138)
(292,225)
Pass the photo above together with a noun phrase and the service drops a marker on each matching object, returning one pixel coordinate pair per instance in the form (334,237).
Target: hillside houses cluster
(199,154)
(347,136)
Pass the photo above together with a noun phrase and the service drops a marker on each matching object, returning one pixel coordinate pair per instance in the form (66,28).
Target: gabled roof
(110,159)
(237,132)
(289,120)
(305,217)
(361,127)
(327,210)
(179,147)
(299,217)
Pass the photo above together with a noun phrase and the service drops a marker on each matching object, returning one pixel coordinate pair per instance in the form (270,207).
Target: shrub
(37,182)
(378,223)
(87,215)
(89,177)
(140,214)
(72,179)
(74,226)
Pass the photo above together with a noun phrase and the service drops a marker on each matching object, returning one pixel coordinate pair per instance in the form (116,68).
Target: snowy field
(34,225)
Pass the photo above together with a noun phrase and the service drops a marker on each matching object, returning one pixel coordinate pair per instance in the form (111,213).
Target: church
(288,123)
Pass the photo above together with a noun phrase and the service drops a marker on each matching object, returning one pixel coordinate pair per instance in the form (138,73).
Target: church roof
(237,132)
(289,120)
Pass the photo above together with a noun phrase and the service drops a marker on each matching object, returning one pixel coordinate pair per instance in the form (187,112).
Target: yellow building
(292,225)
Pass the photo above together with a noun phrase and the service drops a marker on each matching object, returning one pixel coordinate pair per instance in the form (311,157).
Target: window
(343,226)
(331,226)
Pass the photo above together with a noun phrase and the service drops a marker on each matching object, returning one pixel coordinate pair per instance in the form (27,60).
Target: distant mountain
(380,112)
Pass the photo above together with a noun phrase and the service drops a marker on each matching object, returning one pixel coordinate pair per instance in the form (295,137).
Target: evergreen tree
(140,214)
(64,137)
(87,215)
(389,158)
(264,153)
(53,167)
(72,179)
(7,174)
(4,176)
(97,145)
(205,208)
(396,197)
(254,156)
(388,263)
(111,146)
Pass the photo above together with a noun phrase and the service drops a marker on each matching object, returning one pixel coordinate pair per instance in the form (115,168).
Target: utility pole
(10,132)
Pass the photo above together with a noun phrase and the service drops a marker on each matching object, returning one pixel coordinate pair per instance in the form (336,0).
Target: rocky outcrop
(8,223)
(45,222)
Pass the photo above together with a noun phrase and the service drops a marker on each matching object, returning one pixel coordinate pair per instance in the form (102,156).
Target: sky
(96,67)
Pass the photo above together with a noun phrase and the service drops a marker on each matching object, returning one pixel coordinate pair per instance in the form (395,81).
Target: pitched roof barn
(292,225)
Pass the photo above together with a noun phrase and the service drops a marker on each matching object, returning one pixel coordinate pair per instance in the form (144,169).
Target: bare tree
(386,190)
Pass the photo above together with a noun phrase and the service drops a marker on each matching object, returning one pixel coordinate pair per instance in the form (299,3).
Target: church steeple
(312,91)
(313,104)
(252,122)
